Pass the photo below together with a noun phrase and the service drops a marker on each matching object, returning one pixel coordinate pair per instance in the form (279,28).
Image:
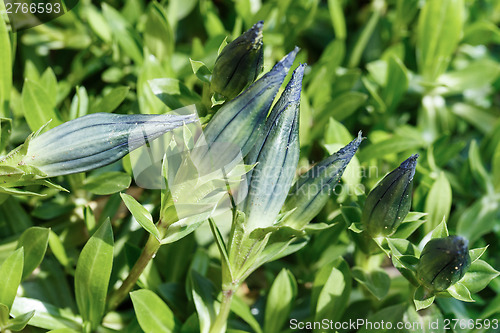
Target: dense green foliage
(416,77)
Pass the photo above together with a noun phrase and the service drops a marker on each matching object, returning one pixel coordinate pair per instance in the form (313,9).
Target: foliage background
(415,76)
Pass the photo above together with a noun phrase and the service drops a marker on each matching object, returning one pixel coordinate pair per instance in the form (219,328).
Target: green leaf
(393,314)
(393,145)
(203,296)
(34,240)
(496,168)
(107,183)
(280,301)
(152,313)
(342,106)
(475,254)
(331,290)
(57,248)
(5,68)
(141,215)
(440,231)
(478,219)
(396,82)
(477,277)
(173,93)
(111,101)
(158,34)
(48,81)
(242,310)
(377,281)
(439,30)
(201,70)
(38,106)
(126,37)
(438,202)
(481,32)
(46,315)
(19,322)
(460,292)
(11,272)
(5,129)
(92,274)
(422,298)
(98,23)
(4,315)
(481,118)
(477,167)
(410,224)
(179,9)
(475,75)
(338,19)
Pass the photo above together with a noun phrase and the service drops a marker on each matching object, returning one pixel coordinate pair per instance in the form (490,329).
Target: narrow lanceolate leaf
(5,69)
(276,154)
(96,140)
(11,272)
(38,106)
(140,214)
(92,274)
(19,322)
(152,313)
(389,202)
(312,190)
(439,30)
(34,241)
(280,301)
(239,122)
(239,63)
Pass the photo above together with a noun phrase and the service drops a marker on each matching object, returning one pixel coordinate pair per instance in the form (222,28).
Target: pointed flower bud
(443,262)
(311,192)
(240,121)
(389,202)
(239,63)
(276,155)
(95,140)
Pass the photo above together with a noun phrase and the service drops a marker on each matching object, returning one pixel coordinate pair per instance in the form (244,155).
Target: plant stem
(220,323)
(147,254)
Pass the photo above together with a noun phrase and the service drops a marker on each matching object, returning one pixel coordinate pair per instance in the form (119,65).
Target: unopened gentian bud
(95,140)
(389,202)
(240,121)
(443,262)
(310,193)
(276,155)
(239,63)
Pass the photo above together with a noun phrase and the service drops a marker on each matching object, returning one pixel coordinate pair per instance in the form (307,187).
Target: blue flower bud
(95,140)
(276,155)
(311,192)
(443,262)
(239,63)
(389,202)
(238,124)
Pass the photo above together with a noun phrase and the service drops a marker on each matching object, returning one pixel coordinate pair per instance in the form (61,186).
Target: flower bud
(443,262)
(311,192)
(240,121)
(276,154)
(95,140)
(239,63)
(389,202)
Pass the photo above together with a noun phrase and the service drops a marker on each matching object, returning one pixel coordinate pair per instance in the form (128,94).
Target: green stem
(147,254)
(364,38)
(220,323)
